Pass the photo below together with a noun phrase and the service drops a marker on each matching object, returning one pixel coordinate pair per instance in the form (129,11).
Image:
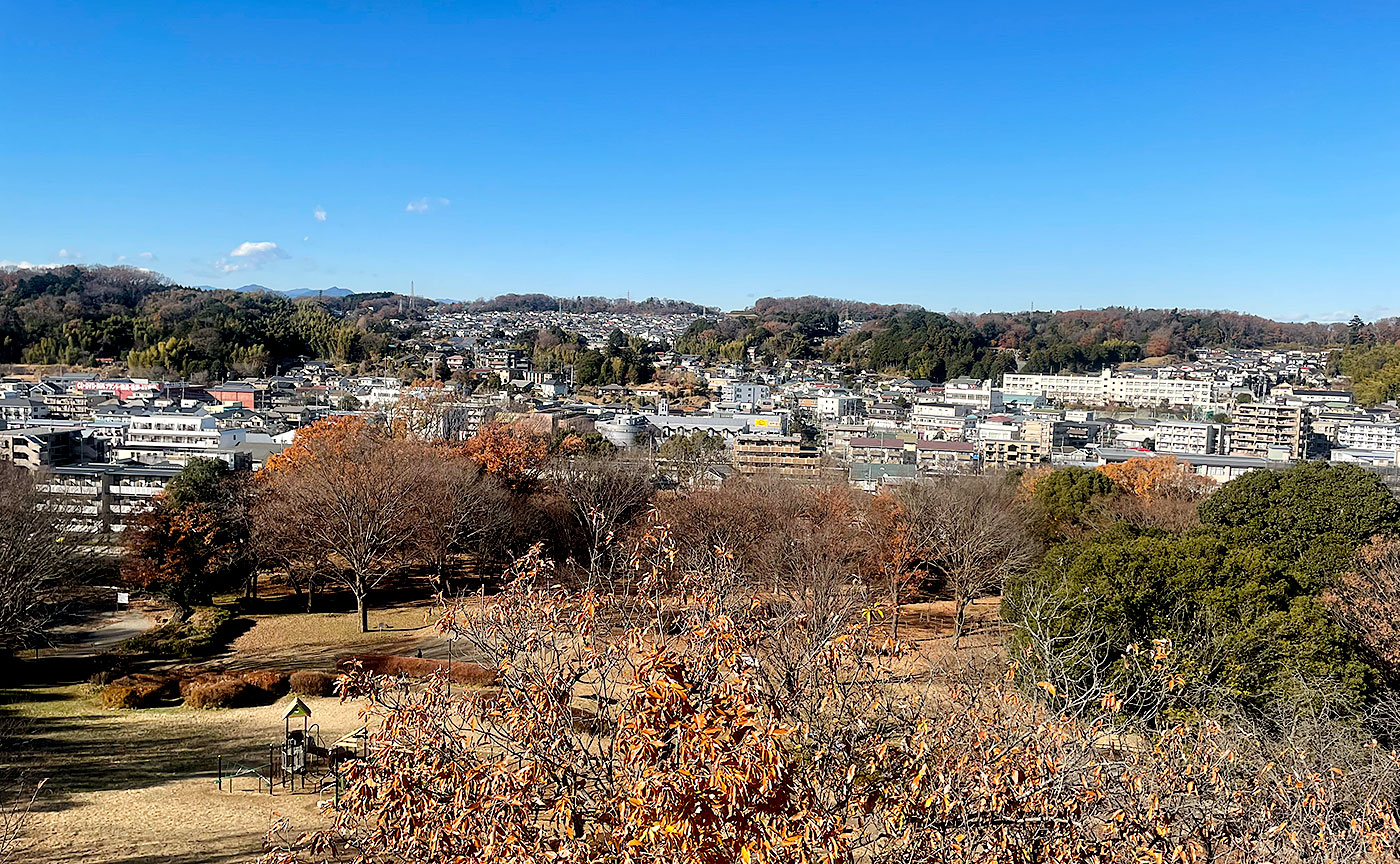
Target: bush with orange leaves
(689,718)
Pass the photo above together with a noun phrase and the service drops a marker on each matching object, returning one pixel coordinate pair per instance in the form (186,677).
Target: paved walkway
(102,633)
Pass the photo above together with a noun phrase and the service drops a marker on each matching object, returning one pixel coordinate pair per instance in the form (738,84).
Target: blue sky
(964,156)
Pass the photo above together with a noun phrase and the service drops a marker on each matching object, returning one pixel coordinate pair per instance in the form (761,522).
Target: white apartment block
(1180,437)
(744,392)
(176,437)
(1105,388)
(836,406)
(1369,436)
(975,394)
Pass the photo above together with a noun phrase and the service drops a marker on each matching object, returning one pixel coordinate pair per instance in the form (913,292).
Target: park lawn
(139,785)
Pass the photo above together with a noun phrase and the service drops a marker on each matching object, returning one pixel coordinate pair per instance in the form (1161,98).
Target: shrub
(222,693)
(189,682)
(462,671)
(308,682)
(274,684)
(138,691)
(202,632)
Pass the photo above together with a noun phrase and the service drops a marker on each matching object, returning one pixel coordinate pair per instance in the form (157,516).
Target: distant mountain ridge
(254,288)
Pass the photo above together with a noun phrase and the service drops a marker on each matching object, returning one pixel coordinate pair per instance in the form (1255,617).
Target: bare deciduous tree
(36,554)
(605,495)
(345,492)
(968,532)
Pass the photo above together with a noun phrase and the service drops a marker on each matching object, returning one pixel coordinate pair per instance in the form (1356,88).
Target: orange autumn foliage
(1158,477)
(513,456)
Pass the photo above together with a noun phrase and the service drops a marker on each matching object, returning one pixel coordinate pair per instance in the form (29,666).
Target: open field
(137,786)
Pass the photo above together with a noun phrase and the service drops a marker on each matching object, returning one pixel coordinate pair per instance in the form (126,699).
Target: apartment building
(101,498)
(884,451)
(784,455)
(744,392)
(1005,445)
(62,402)
(21,409)
(1181,437)
(945,457)
(976,395)
(175,436)
(1369,436)
(1268,431)
(37,447)
(1106,388)
(939,419)
(834,406)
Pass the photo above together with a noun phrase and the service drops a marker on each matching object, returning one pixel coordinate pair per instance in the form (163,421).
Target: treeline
(78,315)
(908,340)
(622,360)
(924,345)
(1374,371)
(546,303)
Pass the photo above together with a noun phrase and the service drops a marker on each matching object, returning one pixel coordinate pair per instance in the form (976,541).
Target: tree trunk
(364,611)
(959,615)
(894,611)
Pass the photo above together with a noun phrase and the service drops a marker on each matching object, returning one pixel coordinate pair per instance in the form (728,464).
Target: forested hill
(546,303)
(77,315)
(1077,340)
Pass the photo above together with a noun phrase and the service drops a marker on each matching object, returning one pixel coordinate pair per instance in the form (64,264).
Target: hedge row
(214,689)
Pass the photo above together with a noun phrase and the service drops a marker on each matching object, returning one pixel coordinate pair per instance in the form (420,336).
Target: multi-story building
(945,457)
(834,406)
(21,409)
(1005,445)
(784,455)
(1269,431)
(939,419)
(744,392)
(100,498)
(255,397)
(176,436)
(36,447)
(63,402)
(1369,436)
(975,394)
(1106,388)
(503,359)
(880,450)
(1181,437)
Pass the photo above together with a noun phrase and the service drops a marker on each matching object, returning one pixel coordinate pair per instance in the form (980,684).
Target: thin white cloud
(306,239)
(423,205)
(69,254)
(18,265)
(148,256)
(320,214)
(251,255)
(121,258)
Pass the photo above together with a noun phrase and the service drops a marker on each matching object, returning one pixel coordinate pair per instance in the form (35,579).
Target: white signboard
(123,598)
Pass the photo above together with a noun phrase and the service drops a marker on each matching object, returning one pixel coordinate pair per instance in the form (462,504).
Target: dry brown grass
(138,786)
(317,640)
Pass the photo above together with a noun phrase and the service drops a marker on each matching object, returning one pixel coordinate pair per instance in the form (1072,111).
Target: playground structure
(302,755)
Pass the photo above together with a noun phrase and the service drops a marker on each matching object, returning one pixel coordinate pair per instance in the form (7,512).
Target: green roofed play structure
(301,754)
